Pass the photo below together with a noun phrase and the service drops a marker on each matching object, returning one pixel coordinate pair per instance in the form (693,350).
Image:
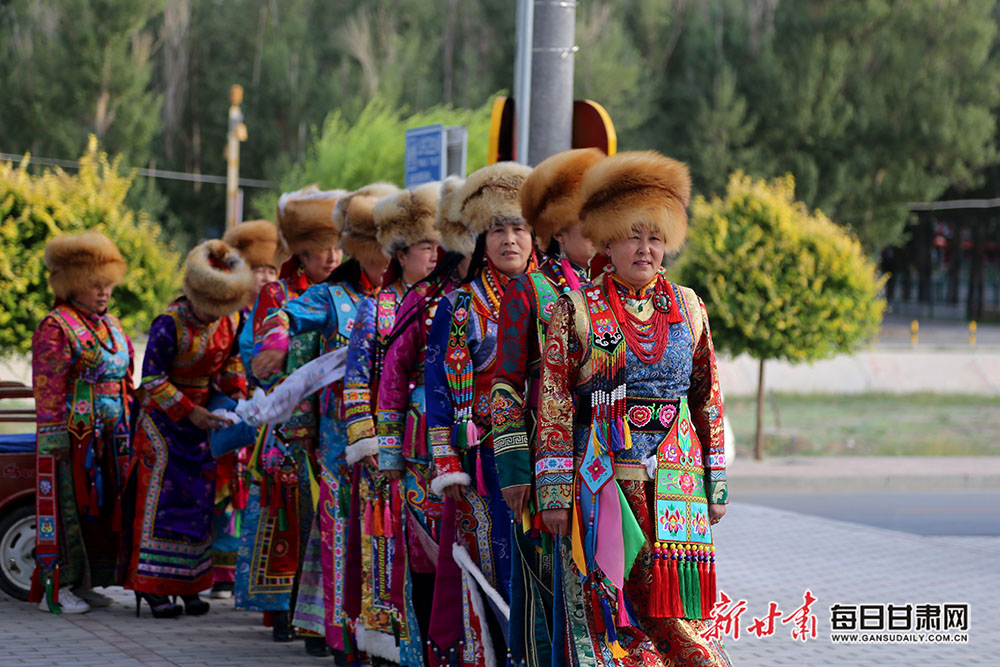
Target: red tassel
(387,522)
(656,593)
(712,592)
(378,528)
(36,593)
(703,578)
(599,626)
(622,620)
(480,480)
(676,609)
(369,523)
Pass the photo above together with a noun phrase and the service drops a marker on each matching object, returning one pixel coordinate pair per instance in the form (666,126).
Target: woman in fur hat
(257,242)
(461,356)
(636,473)
(82,377)
(192,348)
(406,233)
(550,203)
(330,310)
(270,551)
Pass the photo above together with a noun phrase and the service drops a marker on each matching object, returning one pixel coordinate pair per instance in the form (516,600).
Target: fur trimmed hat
(257,242)
(82,260)
(454,236)
(550,198)
(491,193)
(354,219)
(636,188)
(217,280)
(304,218)
(406,218)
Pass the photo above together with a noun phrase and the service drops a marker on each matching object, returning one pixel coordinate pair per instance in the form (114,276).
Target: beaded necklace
(113,348)
(495,283)
(649,335)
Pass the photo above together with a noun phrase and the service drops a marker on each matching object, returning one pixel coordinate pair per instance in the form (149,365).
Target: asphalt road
(948,513)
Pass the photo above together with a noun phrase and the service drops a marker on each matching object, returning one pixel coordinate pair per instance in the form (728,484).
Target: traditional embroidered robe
(172,469)
(82,378)
(329,310)
(673,411)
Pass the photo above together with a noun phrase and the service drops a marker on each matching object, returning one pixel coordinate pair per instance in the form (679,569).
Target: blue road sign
(425,155)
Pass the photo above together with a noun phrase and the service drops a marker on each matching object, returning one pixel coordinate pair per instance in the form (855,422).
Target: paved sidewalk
(764,555)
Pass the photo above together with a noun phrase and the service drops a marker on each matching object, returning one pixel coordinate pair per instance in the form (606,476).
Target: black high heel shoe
(281,630)
(159,605)
(194,605)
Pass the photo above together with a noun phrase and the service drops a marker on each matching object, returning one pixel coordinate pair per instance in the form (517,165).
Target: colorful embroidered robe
(402,439)
(329,310)
(278,513)
(82,379)
(461,357)
(524,318)
(172,469)
(678,392)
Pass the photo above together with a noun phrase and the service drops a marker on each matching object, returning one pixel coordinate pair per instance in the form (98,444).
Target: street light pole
(550,124)
(237,133)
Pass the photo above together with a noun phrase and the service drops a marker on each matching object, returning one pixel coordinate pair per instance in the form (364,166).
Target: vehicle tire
(17,551)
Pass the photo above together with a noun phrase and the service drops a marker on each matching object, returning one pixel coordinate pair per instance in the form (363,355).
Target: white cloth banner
(277,407)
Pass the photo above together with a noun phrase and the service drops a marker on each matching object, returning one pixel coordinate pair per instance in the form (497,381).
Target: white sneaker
(69,603)
(92,597)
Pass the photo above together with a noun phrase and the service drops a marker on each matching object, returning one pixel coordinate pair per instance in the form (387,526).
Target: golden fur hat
(406,218)
(257,241)
(636,188)
(491,193)
(217,280)
(550,198)
(454,235)
(82,261)
(354,218)
(304,218)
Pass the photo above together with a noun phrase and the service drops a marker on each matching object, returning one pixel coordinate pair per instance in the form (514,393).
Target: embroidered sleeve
(130,373)
(160,352)
(357,382)
(517,330)
(232,378)
(554,449)
(51,359)
(705,398)
(394,386)
(440,408)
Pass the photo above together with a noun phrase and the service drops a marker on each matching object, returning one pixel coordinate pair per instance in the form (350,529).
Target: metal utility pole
(237,133)
(522,77)
(550,121)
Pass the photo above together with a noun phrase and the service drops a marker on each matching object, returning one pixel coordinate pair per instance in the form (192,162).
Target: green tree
(349,155)
(779,282)
(34,208)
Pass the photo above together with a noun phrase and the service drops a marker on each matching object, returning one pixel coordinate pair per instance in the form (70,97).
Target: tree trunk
(925,241)
(955,260)
(758,445)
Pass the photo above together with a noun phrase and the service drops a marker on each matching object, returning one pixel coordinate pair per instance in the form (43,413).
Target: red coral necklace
(653,334)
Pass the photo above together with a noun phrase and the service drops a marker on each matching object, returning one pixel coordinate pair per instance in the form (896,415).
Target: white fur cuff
(441,482)
(361,449)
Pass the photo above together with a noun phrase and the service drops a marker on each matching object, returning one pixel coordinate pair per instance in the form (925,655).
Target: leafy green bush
(34,208)
(779,282)
(373,148)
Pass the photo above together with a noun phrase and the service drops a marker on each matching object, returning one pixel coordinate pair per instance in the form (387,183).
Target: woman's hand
(205,420)
(715,513)
(453,491)
(393,475)
(517,499)
(268,363)
(557,521)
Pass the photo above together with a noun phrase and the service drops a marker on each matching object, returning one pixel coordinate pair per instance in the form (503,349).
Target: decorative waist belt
(197,382)
(651,415)
(626,471)
(110,388)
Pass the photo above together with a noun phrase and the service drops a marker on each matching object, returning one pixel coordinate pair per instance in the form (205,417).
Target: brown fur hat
(257,242)
(550,198)
(217,280)
(354,218)
(406,218)
(454,235)
(491,193)
(81,261)
(304,218)
(636,188)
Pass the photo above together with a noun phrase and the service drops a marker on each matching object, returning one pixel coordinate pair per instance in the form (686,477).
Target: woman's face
(638,257)
(94,298)
(508,245)
(262,276)
(318,264)
(577,247)
(374,266)
(417,261)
